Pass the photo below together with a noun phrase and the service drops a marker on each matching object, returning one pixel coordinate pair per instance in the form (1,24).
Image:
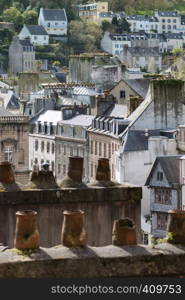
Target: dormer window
(159,176)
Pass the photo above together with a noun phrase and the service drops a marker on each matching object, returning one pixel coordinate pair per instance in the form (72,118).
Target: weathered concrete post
(73,231)
(124,232)
(6,172)
(26,233)
(176,227)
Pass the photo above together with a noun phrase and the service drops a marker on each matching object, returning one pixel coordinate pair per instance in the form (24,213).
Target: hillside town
(121,99)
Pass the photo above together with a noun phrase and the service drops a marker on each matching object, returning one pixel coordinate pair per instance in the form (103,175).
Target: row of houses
(161,22)
(114,43)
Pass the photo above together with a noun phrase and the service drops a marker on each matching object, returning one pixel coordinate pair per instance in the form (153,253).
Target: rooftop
(54,14)
(140,85)
(36,29)
(53,116)
(79,120)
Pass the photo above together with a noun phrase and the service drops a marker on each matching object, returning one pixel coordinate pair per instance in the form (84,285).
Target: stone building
(97,68)
(42,138)
(104,138)
(14,143)
(166,183)
(37,34)
(92,11)
(72,140)
(21,56)
(54,21)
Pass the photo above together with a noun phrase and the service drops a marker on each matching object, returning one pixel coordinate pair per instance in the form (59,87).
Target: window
(174,20)
(42,146)
(44,37)
(48,147)
(35,37)
(8,154)
(162,219)
(105,150)
(95,148)
(122,94)
(64,150)
(91,168)
(48,24)
(116,45)
(36,145)
(52,166)
(169,26)
(59,149)
(100,152)
(163,20)
(71,151)
(169,20)
(159,176)
(163,196)
(56,23)
(174,26)
(59,168)
(53,148)
(163,26)
(91,147)
(64,170)
(112,148)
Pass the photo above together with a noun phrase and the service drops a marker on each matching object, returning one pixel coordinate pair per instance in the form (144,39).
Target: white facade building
(42,139)
(37,34)
(169,21)
(144,23)
(114,43)
(54,21)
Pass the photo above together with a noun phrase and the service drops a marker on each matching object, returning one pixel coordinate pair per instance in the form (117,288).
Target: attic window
(159,176)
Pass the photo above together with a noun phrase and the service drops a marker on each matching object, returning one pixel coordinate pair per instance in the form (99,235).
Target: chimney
(6,172)
(73,232)
(75,173)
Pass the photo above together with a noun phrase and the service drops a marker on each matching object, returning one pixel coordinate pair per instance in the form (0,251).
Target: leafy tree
(13,15)
(106,26)
(177,51)
(30,17)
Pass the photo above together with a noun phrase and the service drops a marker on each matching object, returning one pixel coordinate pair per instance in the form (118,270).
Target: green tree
(30,17)
(177,51)
(13,15)
(106,26)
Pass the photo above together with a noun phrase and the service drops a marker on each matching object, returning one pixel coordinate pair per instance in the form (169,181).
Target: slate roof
(117,111)
(175,36)
(143,51)
(79,120)
(36,29)
(142,18)
(25,42)
(5,113)
(170,166)
(140,85)
(168,13)
(50,116)
(182,20)
(137,141)
(54,14)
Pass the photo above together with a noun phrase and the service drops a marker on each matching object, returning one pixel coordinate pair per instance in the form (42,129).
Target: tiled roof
(54,14)
(36,29)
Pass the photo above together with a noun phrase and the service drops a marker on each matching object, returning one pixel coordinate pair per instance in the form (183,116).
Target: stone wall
(91,262)
(101,205)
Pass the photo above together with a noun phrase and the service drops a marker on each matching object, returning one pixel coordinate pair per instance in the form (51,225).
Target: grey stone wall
(101,205)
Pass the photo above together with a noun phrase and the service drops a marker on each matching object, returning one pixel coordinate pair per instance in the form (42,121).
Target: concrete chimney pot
(124,232)
(6,173)
(26,233)
(73,231)
(103,170)
(75,168)
(176,227)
